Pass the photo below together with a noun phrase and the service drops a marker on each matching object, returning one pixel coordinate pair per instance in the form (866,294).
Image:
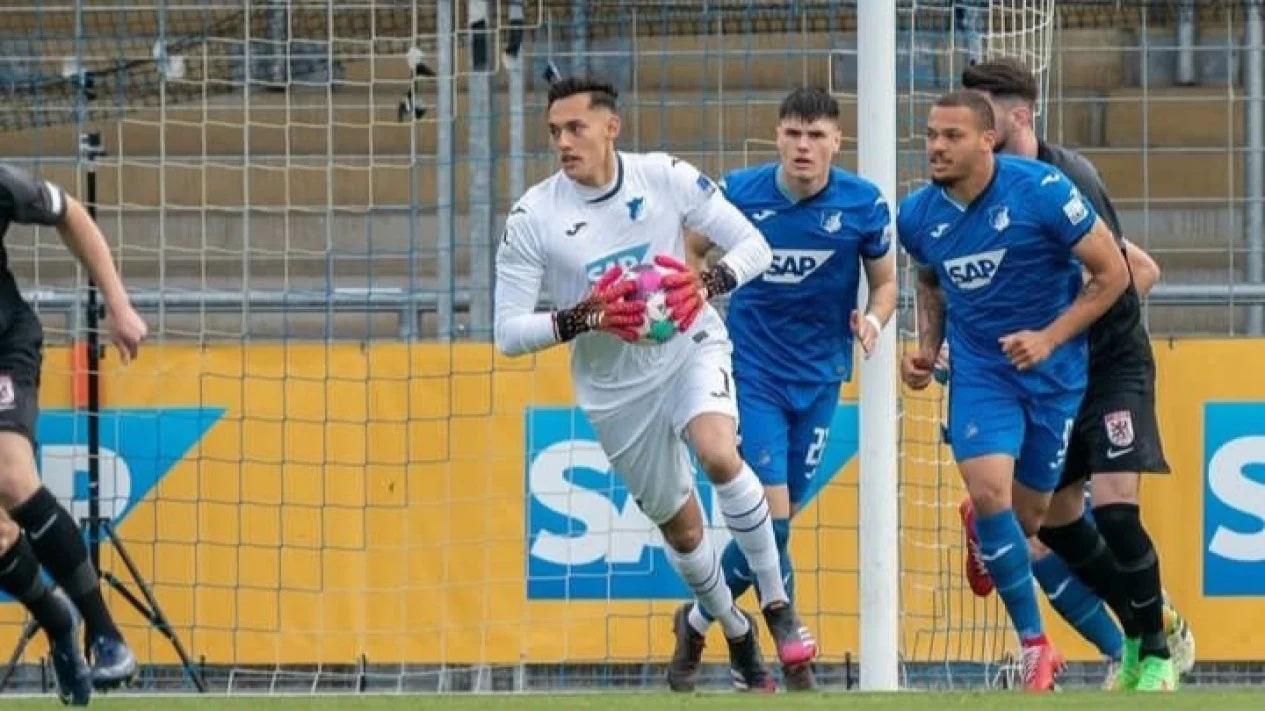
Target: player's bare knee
(1030,508)
(721,466)
(988,483)
(1114,488)
(1030,514)
(988,500)
(18,478)
(715,443)
(682,536)
(1066,506)
(683,531)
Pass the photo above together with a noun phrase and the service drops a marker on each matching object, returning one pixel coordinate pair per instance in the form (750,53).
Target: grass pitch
(1192,700)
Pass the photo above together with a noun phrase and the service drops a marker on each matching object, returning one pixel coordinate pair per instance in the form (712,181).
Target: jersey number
(724,392)
(1059,456)
(813,457)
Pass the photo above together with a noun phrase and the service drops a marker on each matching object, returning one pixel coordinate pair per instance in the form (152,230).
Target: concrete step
(1188,117)
(1171,178)
(1177,177)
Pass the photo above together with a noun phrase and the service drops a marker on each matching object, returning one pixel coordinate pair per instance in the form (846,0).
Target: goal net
(323,473)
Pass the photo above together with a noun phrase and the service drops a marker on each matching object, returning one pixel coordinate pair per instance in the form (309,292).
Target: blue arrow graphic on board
(138,447)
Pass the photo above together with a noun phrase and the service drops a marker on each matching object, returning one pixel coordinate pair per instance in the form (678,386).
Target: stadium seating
(696,93)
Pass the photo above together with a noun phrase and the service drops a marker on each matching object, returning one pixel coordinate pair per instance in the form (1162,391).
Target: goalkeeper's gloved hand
(688,291)
(605,308)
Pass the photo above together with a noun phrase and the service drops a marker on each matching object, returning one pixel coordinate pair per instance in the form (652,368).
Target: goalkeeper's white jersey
(564,236)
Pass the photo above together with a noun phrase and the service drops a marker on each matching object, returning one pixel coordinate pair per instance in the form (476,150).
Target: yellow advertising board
(426,503)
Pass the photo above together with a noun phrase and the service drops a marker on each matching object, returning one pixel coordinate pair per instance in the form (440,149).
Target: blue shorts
(783,429)
(1034,430)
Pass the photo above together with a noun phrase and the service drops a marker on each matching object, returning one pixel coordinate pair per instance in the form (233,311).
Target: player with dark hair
(793,328)
(1000,241)
(35,530)
(577,231)
(1116,435)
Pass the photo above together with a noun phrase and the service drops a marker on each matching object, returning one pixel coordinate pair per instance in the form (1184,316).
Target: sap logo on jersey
(792,266)
(974,271)
(1234,499)
(587,540)
(624,259)
(138,448)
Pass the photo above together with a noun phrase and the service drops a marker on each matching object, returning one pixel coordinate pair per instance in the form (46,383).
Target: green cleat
(1125,674)
(1157,675)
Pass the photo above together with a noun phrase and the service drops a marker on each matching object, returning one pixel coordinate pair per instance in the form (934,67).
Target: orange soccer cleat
(976,574)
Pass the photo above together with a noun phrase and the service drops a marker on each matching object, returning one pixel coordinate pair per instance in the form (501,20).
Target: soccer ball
(658,326)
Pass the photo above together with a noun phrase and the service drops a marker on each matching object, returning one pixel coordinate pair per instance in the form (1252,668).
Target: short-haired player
(793,327)
(1116,435)
(1000,241)
(35,529)
(576,232)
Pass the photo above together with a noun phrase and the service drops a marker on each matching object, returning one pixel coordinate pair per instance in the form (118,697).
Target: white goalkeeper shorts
(644,439)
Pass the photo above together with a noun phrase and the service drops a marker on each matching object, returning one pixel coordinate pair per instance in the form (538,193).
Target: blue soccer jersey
(1005,264)
(790,328)
(793,322)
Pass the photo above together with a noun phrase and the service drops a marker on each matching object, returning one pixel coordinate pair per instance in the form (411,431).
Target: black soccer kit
(23,201)
(1116,429)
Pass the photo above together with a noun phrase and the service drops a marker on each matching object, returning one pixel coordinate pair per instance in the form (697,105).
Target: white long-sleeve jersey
(566,236)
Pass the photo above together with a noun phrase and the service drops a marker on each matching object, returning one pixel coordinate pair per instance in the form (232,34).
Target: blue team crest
(705,184)
(999,217)
(832,221)
(635,208)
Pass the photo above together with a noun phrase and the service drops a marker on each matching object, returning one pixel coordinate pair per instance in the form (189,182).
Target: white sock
(700,568)
(746,512)
(697,621)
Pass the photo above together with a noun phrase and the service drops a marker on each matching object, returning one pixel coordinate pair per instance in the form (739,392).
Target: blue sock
(1077,604)
(1004,550)
(782,534)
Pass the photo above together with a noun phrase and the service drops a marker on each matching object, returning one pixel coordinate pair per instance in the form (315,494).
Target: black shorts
(21,357)
(1114,432)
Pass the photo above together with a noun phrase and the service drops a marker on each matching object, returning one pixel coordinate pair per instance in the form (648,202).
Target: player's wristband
(878,326)
(718,280)
(569,323)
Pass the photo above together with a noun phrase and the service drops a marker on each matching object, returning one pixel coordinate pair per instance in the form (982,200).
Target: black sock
(20,577)
(1121,526)
(59,546)
(1082,547)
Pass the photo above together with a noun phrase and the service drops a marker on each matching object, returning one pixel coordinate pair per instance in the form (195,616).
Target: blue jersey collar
(781,187)
(992,179)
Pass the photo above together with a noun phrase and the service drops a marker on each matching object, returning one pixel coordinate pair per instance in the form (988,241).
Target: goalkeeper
(793,327)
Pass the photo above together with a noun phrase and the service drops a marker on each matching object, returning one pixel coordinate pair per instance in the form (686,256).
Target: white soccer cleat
(1181,640)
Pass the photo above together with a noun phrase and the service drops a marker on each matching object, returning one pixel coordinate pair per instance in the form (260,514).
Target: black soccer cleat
(746,664)
(795,644)
(799,677)
(113,664)
(688,654)
(70,669)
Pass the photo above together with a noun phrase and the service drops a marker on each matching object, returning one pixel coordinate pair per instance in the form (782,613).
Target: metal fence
(259,159)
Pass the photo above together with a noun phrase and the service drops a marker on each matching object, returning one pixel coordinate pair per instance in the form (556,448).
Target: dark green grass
(1245,700)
